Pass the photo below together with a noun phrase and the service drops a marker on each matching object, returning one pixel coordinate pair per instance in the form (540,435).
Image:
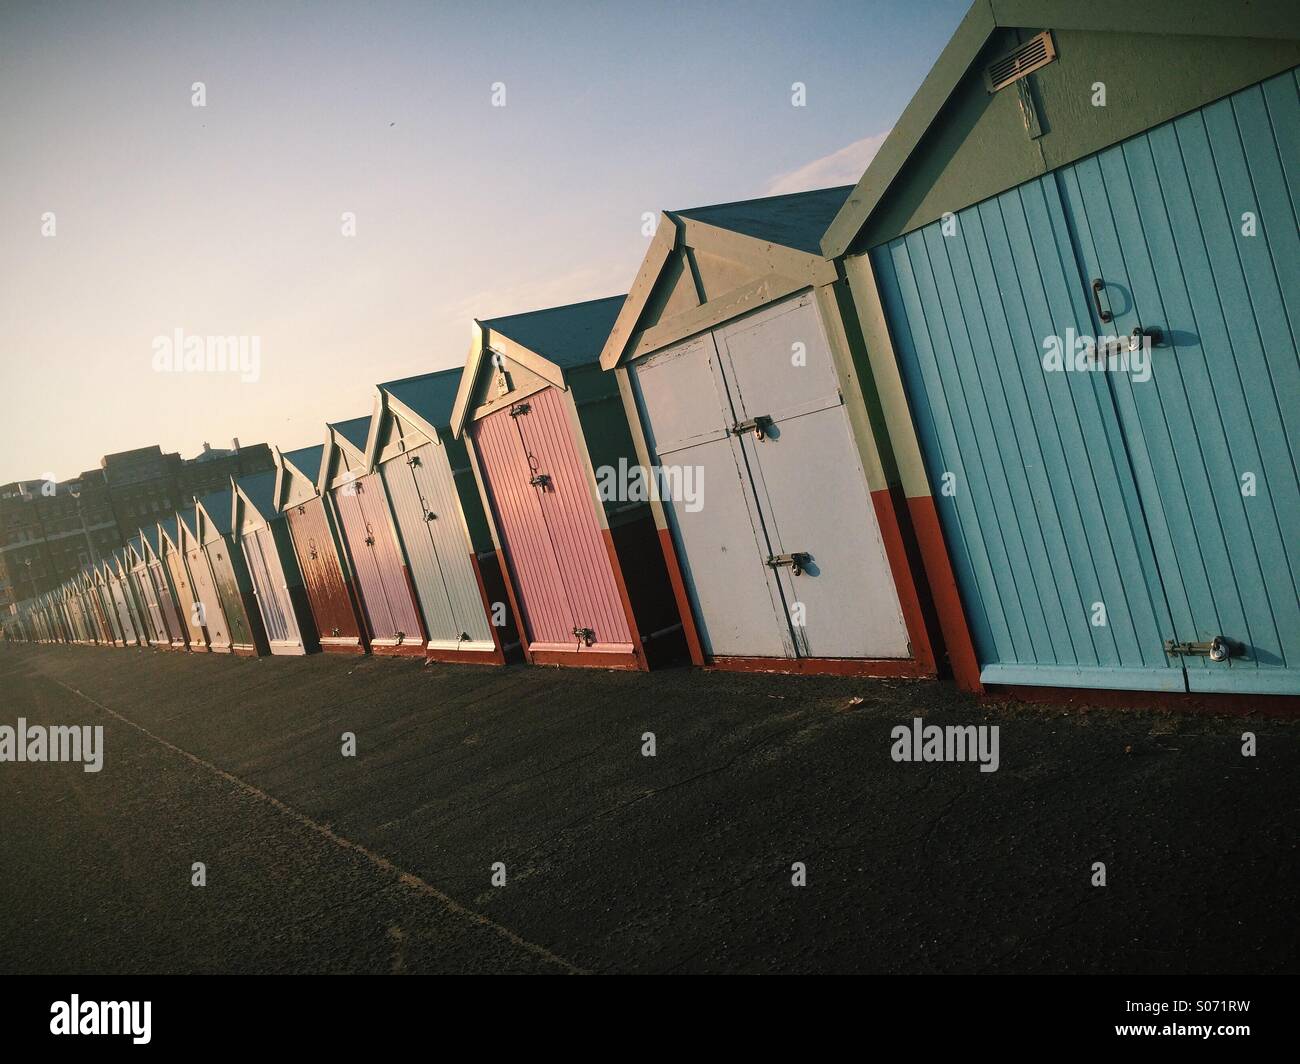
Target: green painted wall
(978,146)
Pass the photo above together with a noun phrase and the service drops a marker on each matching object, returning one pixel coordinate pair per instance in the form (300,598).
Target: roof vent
(1035,53)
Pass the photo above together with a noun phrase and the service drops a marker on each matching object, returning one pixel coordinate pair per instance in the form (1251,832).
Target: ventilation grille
(1035,53)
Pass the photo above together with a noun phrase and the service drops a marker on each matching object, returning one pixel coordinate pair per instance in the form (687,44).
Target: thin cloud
(842,167)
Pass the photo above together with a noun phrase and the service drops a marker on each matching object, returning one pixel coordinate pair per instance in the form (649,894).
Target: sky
(129,213)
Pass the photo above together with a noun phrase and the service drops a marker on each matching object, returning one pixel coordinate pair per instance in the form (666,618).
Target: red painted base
(899,541)
(943,591)
(466,657)
(343,648)
(882,668)
(414,649)
(1176,701)
(587,659)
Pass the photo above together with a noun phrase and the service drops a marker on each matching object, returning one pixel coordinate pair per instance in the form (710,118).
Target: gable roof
(775,237)
(427,401)
(169,529)
(431,396)
(258,489)
(565,336)
(306,461)
(354,431)
(189,523)
(796,220)
(217,505)
(546,341)
(1258,18)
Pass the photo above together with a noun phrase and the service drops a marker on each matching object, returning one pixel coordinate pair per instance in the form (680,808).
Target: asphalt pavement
(607,860)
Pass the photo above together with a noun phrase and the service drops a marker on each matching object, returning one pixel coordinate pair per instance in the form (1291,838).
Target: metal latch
(413,459)
(757,425)
(519,408)
(401,636)
(585,635)
(1216,649)
(370,541)
(1134,341)
(797,562)
(540,480)
(429,515)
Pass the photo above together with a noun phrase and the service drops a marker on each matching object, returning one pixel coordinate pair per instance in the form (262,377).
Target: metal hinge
(585,635)
(757,425)
(797,562)
(1216,649)
(519,408)
(540,480)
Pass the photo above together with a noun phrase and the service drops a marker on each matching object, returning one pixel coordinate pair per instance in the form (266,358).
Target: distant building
(49,531)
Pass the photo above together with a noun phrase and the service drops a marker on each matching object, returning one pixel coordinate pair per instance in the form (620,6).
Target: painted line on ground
(408,879)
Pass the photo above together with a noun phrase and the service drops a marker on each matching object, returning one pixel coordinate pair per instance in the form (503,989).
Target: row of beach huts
(851,430)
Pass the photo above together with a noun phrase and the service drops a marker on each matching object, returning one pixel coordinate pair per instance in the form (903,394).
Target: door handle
(540,480)
(1097,285)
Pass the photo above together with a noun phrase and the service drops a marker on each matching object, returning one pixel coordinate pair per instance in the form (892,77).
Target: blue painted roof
(568,336)
(355,431)
(259,490)
(216,504)
(307,460)
(431,395)
(797,220)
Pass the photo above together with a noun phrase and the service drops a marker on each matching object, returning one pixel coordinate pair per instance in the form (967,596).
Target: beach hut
(101,629)
(322,560)
(171,554)
(439,518)
(115,574)
(107,605)
(551,449)
(155,625)
(166,593)
(770,486)
(81,632)
(359,503)
(213,515)
(1075,264)
(263,534)
(210,611)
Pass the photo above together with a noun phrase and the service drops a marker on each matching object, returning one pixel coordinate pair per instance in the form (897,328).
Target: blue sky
(226,219)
